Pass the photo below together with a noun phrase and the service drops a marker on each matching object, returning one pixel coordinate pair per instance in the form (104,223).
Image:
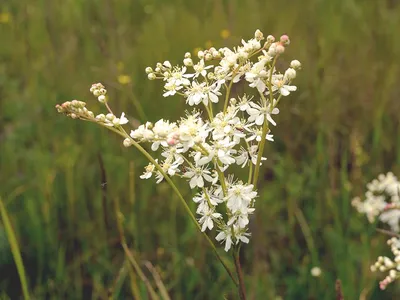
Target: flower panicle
(204,145)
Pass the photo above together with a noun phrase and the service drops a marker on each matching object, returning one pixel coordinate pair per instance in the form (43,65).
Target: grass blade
(14,249)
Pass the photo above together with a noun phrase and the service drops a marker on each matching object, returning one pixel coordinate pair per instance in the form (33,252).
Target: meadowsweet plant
(382,202)
(220,130)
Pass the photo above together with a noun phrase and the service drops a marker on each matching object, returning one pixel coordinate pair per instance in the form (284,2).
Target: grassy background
(335,134)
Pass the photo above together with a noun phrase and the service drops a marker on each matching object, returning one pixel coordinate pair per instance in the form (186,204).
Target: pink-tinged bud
(171,141)
(284,40)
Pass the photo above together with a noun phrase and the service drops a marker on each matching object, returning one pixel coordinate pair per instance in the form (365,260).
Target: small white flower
(148,171)
(245,156)
(240,196)
(120,121)
(196,176)
(171,88)
(225,236)
(143,133)
(259,114)
(208,216)
(200,69)
(257,75)
(256,134)
(282,87)
(316,271)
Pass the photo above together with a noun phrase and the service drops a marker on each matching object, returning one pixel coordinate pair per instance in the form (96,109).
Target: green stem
(211,109)
(250,164)
(228,91)
(210,116)
(260,152)
(265,125)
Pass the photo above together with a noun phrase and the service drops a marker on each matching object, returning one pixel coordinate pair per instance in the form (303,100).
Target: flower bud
(116,121)
(270,39)
(200,54)
(284,40)
(188,55)
(101,117)
(272,50)
(149,125)
(151,76)
(188,62)
(216,54)
(208,56)
(295,64)
(211,76)
(167,64)
(172,141)
(149,70)
(258,35)
(127,143)
(280,49)
(110,117)
(290,74)
(101,98)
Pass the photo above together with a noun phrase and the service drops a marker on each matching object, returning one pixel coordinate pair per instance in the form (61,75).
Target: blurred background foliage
(338,132)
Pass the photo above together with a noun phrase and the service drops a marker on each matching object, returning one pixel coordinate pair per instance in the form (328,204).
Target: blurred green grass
(335,134)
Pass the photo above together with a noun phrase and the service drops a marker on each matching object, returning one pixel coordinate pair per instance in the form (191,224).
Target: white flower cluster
(382,201)
(384,264)
(201,150)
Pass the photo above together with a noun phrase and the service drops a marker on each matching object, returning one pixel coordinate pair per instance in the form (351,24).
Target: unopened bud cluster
(99,91)
(75,109)
(385,264)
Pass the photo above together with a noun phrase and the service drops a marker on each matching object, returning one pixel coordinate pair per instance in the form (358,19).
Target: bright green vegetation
(339,131)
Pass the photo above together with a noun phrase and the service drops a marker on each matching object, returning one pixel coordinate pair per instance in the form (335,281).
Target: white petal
(260,120)
(271,120)
(284,91)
